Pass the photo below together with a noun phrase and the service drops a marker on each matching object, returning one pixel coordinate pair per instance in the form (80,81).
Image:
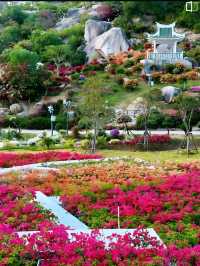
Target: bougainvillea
(8,159)
(165,197)
(55,247)
(156,139)
(18,209)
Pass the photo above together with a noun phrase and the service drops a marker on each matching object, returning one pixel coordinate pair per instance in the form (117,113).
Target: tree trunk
(94,141)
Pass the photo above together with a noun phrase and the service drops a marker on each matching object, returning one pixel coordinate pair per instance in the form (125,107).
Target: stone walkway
(76,226)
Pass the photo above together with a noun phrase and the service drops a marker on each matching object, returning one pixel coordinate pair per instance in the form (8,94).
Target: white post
(174,48)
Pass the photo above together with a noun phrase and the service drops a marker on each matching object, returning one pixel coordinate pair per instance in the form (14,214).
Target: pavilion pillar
(154,46)
(174,47)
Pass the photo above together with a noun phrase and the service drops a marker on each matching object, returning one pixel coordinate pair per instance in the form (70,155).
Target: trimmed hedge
(39,122)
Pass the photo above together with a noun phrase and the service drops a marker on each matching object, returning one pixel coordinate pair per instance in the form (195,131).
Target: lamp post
(53,117)
(67,105)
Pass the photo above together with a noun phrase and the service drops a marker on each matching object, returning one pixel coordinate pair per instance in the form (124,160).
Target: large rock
(168,93)
(110,42)
(37,109)
(15,108)
(94,28)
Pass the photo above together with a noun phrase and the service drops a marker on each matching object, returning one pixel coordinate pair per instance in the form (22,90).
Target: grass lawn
(152,156)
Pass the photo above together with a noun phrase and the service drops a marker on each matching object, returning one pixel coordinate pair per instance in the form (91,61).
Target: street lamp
(67,105)
(53,117)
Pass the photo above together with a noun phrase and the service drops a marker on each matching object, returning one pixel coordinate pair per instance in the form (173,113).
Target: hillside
(51,49)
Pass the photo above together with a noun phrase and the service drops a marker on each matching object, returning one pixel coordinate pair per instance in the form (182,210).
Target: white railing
(169,57)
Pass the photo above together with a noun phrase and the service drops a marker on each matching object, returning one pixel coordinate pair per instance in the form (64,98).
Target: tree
(148,101)
(94,105)
(23,77)
(186,106)
(14,13)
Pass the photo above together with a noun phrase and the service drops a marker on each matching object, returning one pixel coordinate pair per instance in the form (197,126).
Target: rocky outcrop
(168,93)
(110,42)
(37,109)
(72,18)
(190,35)
(94,28)
(15,108)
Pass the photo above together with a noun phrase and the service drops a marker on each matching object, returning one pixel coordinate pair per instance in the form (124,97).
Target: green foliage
(120,70)
(194,53)
(159,120)
(70,143)
(38,122)
(41,39)
(13,13)
(8,36)
(171,122)
(56,53)
(129,63)
(46,141)
(60,9)
(84,144)
(78,58)
(18,56)
(84,123)
(98,217)
(11,134)
(101,142)
(74,32)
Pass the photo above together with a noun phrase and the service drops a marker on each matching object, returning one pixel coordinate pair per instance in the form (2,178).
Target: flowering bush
(56,248)
(114,133)
(169,205)
(18,210)
(8,159)
(158,139)
(165,198)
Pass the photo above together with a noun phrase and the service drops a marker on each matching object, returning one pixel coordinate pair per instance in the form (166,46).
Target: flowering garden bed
(165,198)
(8,159)
(156,142)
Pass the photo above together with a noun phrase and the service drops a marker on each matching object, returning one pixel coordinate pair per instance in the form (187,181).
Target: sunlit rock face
(71,18)
(94,28)
(110,42)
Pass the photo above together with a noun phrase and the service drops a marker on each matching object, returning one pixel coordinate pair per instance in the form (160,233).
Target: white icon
(191,6)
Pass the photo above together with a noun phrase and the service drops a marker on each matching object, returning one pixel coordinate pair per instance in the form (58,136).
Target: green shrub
(69,143)
(169,68)
(120,70)
(46,141)
(85,144)
(75,76)
(129,63)
(31,122)
(101,142)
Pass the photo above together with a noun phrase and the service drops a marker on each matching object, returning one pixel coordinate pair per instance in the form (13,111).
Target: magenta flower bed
(156,139)
(195,89)
(55,248)
(8,159)
(18,210)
